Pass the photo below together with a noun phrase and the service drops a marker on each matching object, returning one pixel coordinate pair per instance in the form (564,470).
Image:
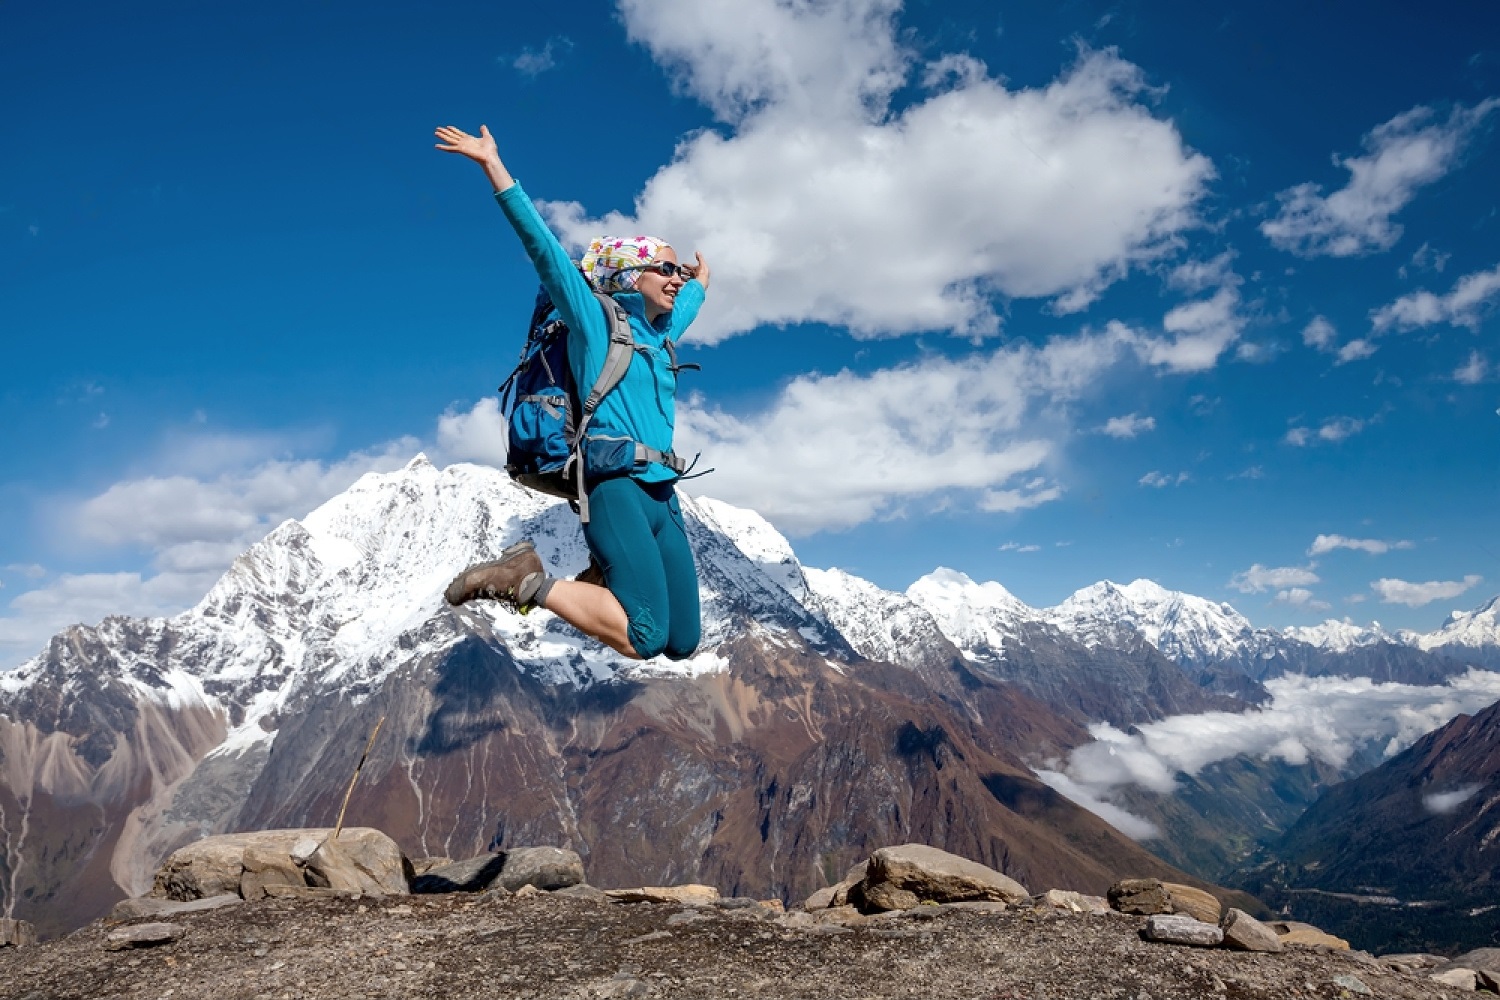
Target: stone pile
(906,882)
(312,863)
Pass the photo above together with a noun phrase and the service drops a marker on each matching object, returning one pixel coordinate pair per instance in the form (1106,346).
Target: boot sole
(455,589)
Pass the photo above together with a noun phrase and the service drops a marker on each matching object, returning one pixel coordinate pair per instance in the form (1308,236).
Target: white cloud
(1127,426)
(1018,547)
(1258,578)
(1131,825)
(832,451)
(1332,431)
(190,526)
(36,615)
(1157,480)
(1202,331)
(1473,371)
(1327,543)
(1403,155)
(1327,718)
(479,435)
(1301,597)
(1320,334)
(31,571)
(1196,276)
(1356,350)
(1465,305)
(1445,802)
(534,62)
(1011,501)
(1414,595)
(837,208)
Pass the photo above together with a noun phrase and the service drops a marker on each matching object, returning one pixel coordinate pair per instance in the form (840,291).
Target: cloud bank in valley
(1323,718)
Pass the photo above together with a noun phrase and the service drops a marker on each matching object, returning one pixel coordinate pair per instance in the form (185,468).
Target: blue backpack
(549,445)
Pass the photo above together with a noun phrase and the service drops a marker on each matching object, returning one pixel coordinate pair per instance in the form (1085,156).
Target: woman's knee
(648,637)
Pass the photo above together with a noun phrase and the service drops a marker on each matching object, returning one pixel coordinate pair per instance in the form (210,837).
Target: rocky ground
(576,944)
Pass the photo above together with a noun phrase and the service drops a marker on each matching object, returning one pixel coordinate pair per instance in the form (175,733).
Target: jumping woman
(648,604)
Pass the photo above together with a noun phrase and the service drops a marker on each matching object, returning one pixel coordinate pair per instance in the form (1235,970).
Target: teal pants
(637,537)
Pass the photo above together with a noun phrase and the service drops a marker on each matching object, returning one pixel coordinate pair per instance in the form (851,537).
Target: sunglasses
(665,268)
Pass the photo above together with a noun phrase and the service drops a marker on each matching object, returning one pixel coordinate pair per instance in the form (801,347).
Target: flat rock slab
(1179,928)
(152,906)
(1243,932)
(1071,902)
(142,936)
(939,876)
(1195,903)
(1464,979)
(1292,932)
(687,895)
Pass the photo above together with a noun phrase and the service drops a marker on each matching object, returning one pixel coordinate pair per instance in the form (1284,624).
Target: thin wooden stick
(340,824)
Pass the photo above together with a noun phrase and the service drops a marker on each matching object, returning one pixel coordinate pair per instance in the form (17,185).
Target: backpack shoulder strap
(617,358)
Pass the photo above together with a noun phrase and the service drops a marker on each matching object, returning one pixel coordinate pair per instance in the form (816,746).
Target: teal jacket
(644,405)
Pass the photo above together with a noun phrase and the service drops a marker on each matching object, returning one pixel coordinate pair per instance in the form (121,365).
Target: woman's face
(660,291)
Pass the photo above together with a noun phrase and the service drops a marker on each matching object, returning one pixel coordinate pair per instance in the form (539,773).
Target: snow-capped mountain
(1184,628)
(1473,635)
(1341,636)
(776,751)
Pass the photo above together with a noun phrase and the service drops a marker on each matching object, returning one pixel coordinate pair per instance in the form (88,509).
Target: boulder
(938,876)
(1412,961)
(263,867)
(1463,979)
(1488,980)
(584,891)
(154,906)
(421,866)
(820,900)
(472,875)
(1195,903)
(360,860)
(16,933)
(1141,896)
(686,895)
(547,868)
(1243,932)
(1179,928)
(1480,959)
(215,865)
(886,896)
(838,893)
(141,936)
(1291,932)
(1071,902)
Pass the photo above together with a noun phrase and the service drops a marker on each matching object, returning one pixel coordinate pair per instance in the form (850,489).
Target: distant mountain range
(823,716)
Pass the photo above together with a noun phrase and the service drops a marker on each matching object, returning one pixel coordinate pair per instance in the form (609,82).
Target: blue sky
(1105,290)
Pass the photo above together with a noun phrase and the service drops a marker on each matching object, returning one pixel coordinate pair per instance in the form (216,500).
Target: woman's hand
(479,148)
(700,270)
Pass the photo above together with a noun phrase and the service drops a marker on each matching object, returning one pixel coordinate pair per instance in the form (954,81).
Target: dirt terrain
(576,945)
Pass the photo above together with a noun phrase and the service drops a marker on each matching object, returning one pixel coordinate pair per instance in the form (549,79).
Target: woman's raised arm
(479,148)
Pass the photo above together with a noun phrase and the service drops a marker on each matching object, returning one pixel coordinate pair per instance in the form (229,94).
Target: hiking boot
(594,574)
(514,578)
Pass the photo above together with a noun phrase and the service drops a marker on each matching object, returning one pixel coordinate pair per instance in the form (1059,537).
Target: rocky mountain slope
(1408,854)
(566,947)
(765,764)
